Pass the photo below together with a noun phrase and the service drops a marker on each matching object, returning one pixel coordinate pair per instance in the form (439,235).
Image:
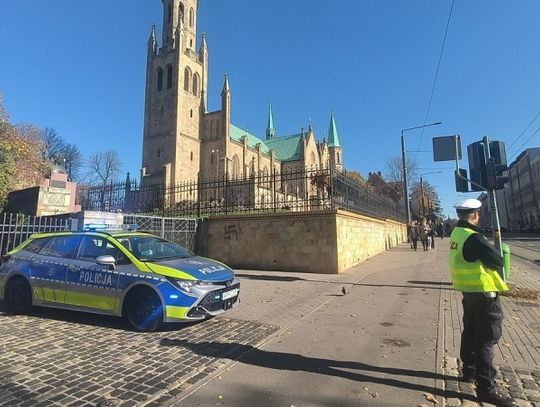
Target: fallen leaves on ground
(431,397)
(524,293)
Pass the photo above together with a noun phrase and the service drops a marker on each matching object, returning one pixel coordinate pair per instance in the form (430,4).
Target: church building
(183,141)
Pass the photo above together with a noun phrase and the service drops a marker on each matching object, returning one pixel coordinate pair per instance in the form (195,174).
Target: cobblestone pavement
(55,358)
(517,355)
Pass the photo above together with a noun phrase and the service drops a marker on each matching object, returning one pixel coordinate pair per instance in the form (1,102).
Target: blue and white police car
(138,276)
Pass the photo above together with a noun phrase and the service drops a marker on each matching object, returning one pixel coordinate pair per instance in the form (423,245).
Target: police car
(135,275)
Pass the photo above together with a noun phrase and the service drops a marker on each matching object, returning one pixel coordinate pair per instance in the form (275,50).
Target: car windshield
(151,248)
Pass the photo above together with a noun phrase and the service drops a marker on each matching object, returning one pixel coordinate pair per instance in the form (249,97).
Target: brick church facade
(184,141)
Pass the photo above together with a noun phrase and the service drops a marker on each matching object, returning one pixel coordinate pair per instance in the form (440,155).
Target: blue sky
(79,66)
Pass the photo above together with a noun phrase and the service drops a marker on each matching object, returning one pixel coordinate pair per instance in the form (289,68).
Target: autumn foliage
(21,159)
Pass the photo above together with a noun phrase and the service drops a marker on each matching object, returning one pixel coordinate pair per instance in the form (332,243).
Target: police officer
(475,266)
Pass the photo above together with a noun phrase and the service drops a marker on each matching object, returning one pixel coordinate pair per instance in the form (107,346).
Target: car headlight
(184,285)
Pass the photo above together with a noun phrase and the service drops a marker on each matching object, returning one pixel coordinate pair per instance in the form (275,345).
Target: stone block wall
(319,242)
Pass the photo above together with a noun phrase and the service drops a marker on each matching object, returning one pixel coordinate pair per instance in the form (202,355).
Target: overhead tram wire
(525,143)
(436,73)
(523,132)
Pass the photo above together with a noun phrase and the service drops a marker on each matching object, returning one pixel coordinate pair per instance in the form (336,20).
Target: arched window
(191,156)
(159,79)
(187,78)
(191,17)
(169,76)
(235,167)
(338,158)
(196,84)
(182,11)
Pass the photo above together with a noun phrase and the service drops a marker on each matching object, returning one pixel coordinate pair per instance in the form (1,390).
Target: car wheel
(18,295)
(143,310)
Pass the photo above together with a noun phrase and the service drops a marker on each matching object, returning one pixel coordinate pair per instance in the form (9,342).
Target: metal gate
(16,228)
(178,230)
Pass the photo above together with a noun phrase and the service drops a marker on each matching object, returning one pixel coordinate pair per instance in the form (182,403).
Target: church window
(235,167)
(187,78)
(191,113)
(191,17)
(191,156)
(190,43)
(169,76)
(338,158)
(182,11)
(196,84)
(159,79)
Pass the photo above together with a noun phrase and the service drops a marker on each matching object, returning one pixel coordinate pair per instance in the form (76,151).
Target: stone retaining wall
(318,242)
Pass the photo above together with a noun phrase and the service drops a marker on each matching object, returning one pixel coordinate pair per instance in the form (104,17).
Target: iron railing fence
(16,228)
(178,230)
(293,190)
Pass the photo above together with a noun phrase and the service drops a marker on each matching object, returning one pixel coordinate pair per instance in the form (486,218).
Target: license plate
(229,294)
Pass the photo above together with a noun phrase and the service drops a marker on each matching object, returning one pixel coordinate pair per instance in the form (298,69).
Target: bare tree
(73,161)
(394,170)
(53,145)
(103,166)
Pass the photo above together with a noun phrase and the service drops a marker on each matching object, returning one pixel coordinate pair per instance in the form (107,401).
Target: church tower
(175,98)
(335,150)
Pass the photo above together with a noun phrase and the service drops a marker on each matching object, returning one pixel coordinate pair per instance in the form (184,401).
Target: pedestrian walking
(432,234)
(424,234)
(475,266)
(414,235)
(440,230)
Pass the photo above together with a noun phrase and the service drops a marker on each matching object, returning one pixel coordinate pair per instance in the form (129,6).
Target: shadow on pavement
(429,282)
(86,318)
(295,362)
(269,277)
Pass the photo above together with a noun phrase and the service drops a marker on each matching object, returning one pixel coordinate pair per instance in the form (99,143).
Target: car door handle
(72,267)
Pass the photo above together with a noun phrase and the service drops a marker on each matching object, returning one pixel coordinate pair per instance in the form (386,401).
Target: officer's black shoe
(494,397)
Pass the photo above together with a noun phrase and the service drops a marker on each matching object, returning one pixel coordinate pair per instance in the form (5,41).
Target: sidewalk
(518,352)
(392,340)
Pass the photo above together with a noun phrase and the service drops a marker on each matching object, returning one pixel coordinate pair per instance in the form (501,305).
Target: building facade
(183,141)
(523,194)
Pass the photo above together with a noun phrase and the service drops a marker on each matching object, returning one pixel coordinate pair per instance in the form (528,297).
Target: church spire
(270,130)
(152,42)
(333,136)
(226,87)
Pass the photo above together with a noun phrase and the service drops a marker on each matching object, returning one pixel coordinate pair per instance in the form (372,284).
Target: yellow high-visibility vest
(471,276)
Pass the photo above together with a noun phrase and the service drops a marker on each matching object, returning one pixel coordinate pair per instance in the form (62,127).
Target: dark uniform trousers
(482,329)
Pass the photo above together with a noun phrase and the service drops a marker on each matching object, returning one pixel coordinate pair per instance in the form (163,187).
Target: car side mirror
(107,261)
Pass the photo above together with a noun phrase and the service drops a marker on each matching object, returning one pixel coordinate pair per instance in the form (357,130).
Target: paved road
(352,349)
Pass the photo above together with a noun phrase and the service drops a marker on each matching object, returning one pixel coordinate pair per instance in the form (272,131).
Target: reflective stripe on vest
(467,276)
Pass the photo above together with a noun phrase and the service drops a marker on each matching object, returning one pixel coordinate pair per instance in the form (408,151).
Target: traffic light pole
(495,223)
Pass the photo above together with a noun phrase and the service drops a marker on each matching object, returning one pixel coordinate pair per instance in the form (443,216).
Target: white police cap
(468,205)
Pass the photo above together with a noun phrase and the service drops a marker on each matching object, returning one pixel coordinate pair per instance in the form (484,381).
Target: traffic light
(477,165)
(462,185)
(494,175)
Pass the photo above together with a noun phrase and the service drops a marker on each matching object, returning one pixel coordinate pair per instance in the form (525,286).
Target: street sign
(444,148)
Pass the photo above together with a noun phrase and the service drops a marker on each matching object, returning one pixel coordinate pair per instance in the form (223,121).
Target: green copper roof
(270,130)
(236,133)
(287,148)
(333,136)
